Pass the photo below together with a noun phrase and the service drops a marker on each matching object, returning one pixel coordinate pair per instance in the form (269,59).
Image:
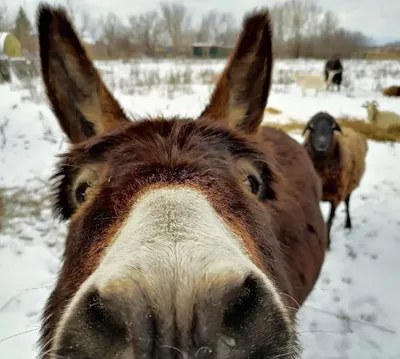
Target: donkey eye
(81,192)
(253,184)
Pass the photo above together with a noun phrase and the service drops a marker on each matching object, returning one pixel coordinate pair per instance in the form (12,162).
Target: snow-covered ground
(354,310)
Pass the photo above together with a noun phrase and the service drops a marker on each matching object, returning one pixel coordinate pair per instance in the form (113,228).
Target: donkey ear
(81,102)
(241,94)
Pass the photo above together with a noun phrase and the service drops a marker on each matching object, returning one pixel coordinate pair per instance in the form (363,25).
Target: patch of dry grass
(20,204)
(384,55)
(369,130)
(273,111)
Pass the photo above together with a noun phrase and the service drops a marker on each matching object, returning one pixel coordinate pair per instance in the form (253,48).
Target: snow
(353,311)
(3,36)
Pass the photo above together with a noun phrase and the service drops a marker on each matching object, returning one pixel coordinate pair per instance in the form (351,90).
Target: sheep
(393,91)
(382,119)
(316,82)
(309,81)
(338,156)
(333,69)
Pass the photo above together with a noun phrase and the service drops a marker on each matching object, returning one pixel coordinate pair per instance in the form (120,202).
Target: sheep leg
(348,220)
(329,224)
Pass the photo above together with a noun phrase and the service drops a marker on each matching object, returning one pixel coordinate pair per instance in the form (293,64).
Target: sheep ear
(336,127)
(80,100)
(306,128)
(240,97)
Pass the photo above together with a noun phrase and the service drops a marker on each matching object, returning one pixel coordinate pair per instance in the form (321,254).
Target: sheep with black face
(338,155)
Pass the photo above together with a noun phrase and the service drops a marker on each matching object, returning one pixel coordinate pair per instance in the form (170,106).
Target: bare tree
(80,15)
(217,27)
(177,22)
(278,22)
(5,23)
(203,33)
(297,17)
(329,23)
(302,28)
(111,32)
(146,30)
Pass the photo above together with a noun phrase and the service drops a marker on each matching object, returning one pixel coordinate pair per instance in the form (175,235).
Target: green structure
(12,60)
(206,50)
(10,45)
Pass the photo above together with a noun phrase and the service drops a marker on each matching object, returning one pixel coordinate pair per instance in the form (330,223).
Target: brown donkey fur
(187,238)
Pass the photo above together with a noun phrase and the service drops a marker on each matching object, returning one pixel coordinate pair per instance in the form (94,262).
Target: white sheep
(316,82)
(383,119)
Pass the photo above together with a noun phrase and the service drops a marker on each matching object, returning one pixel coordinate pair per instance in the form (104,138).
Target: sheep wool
(382,119)
(393,91)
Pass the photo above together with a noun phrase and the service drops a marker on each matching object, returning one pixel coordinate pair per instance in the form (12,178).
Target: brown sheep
(338,156)
(392,91)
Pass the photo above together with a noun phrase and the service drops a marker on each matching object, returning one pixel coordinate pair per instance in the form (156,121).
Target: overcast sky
(375,18)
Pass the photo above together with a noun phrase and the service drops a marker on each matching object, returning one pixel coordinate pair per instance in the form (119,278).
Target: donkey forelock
(172,248)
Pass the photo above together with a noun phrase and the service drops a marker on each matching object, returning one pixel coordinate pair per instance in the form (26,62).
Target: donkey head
(170,250)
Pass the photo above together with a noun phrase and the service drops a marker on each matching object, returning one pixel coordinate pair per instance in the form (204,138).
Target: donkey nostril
(97,313)
(95,327)
(70,354)
(245,303)
(255,321)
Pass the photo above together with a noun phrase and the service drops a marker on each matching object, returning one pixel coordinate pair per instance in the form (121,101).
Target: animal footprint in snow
(370,318)
(371,234)
(364,303)
(347,280)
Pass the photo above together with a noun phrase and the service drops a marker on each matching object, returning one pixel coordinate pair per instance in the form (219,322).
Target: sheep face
(321,127)
(372,108)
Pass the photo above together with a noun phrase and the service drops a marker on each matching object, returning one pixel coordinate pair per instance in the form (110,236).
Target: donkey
(188,238)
